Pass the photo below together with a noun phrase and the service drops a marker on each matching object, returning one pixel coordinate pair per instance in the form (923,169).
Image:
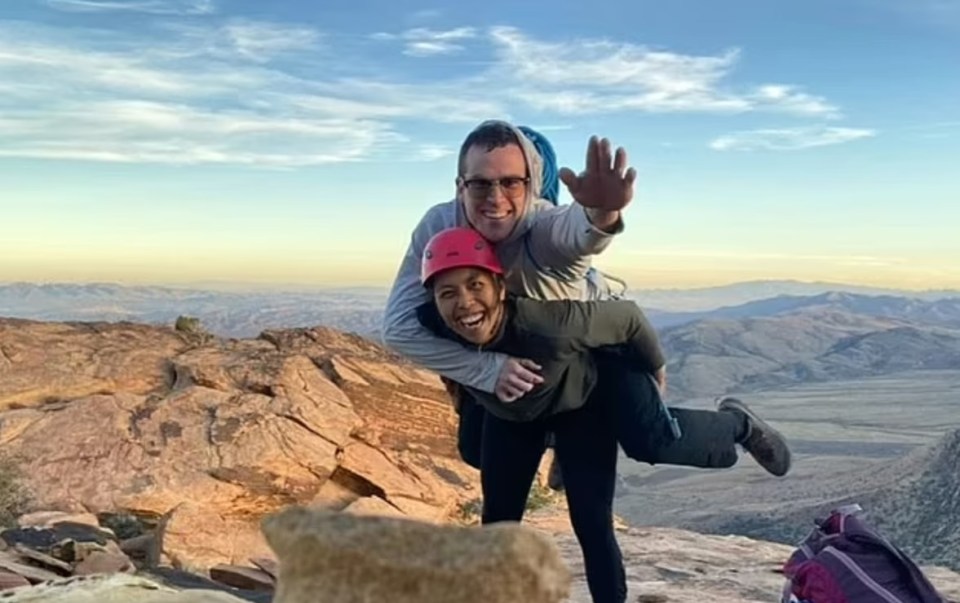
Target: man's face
(493,189)
(470,301)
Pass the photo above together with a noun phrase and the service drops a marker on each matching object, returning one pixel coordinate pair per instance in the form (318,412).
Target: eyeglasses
(512,186)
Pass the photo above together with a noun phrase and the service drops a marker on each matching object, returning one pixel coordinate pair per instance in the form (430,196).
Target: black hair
(488,136)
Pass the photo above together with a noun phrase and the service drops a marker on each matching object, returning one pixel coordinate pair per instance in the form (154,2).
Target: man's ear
(503,288)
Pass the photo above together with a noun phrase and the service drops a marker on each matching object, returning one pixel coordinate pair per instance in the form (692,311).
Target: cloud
(600,76)
(423,42)
(166,133)
(788,139)
(432,152)
(262,41)
(254,92)
(158,7)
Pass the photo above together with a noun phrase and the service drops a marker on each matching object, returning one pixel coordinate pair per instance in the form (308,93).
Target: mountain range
(763,343)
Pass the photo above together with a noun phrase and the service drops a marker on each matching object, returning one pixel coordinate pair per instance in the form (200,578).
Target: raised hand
(605,184)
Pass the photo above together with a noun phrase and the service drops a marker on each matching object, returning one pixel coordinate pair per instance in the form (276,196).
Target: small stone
(100,562)
(246,578)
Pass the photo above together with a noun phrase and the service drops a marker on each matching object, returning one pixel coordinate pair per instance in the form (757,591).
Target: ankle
(743,427)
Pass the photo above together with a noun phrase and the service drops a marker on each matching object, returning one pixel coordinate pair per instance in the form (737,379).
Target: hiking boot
(554,476)
(764,443)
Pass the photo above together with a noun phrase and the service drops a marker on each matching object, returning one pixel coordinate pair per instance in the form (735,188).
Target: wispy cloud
(788,139)
(596,76)
(424,42)
(432,152)
(260,93)
(158,7)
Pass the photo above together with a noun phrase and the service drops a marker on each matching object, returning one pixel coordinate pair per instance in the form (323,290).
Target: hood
(535,167)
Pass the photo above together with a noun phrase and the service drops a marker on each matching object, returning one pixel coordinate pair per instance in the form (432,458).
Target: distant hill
(245,313)
(763,343)
(942,311)
(226,313)
(788,340)
(710,298)
(915,500)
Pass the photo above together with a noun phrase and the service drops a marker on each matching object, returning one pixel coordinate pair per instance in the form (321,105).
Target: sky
(298,143)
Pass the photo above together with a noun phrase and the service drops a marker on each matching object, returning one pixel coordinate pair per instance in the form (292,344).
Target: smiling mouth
(496,215)
(471,322)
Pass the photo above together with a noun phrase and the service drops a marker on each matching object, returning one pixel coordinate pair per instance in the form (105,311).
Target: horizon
(260,288)
(170,142)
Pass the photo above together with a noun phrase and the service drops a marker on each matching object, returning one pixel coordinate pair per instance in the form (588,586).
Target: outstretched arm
(403,332)
(563,239)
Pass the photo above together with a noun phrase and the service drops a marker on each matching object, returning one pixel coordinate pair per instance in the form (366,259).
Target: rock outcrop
(355,559)
(207,436)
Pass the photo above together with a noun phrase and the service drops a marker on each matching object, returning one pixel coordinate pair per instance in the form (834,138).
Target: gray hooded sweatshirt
(546,257)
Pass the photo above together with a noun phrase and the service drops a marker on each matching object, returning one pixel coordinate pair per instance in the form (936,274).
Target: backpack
(845,560)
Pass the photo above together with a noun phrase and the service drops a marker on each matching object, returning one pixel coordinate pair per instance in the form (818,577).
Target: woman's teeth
(472,321)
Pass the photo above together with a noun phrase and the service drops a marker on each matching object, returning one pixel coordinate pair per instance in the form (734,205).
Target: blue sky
(185,141)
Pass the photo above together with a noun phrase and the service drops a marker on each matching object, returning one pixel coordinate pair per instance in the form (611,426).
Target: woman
(568,343)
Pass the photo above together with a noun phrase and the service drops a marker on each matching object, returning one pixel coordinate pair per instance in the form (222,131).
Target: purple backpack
(845,560)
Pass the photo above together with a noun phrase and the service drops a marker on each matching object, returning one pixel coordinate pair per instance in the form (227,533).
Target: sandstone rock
(15,565)
(53,362)
(10,580)
(373,505)
(45,561)
(48,519)
(119,417)
(267,565)
(197,538)
(352,559)
(112,588)
(102,562)
(247,578)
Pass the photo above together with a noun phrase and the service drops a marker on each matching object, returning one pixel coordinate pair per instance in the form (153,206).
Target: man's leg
(707,439)
(511,453)
(764,443)
(586,445)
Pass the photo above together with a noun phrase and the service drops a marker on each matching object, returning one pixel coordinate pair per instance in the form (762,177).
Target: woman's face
(470,301)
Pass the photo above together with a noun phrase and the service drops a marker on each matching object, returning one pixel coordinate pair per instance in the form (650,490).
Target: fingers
(605,156)
(630,177)
(508,394)
(593,155)
(529,364)
(512,388)
(517,379)
(620,161)
(570,180)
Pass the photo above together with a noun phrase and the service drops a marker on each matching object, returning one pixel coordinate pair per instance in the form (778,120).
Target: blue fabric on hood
(550,186)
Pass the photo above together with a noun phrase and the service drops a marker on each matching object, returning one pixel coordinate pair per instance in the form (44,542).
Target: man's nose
(496,194)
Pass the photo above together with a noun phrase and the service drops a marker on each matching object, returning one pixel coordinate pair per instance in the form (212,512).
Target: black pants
(586,447)
(707,438)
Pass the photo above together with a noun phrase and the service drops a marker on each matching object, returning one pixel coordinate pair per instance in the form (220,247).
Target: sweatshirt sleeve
(596,324)
(562,239)
(403,332)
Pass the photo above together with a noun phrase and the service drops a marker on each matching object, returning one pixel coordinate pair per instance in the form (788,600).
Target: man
(545,248)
